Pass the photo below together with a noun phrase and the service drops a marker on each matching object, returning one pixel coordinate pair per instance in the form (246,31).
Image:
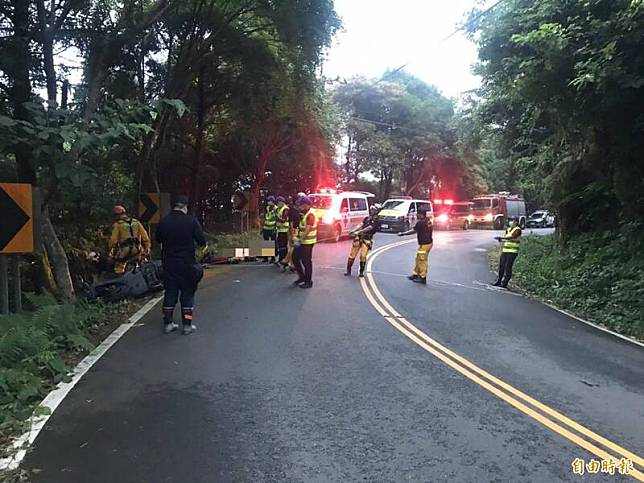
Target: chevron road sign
(16,222)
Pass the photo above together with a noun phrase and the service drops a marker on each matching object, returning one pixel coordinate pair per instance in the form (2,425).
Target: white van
(339,212)
(401,213)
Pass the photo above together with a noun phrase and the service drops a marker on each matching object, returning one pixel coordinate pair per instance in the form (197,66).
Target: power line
(465,25)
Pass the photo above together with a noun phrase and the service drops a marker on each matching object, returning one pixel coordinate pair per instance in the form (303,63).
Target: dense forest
(103,99)
(560,115)
(407,136)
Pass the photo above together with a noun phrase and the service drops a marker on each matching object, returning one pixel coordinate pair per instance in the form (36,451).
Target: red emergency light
(449,202)
(330,191)
(438,202)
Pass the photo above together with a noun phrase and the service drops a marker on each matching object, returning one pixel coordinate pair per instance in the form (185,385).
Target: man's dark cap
(179,200)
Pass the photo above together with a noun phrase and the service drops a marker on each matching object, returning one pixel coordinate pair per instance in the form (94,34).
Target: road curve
(284,384)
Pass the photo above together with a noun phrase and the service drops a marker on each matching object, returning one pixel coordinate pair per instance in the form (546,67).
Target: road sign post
(4,284)
(17,236)
(17,285)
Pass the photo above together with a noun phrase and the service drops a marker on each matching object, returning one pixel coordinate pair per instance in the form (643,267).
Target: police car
(339,212)
(401,213)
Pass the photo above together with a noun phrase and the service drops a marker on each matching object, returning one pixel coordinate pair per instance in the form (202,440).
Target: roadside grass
(38,349)
(597,277)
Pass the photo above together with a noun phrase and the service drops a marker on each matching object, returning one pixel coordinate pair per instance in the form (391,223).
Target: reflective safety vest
(269,219)
(312,237)
(282,224)
(511,246)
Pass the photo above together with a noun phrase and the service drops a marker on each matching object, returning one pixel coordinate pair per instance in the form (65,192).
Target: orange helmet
(118,210)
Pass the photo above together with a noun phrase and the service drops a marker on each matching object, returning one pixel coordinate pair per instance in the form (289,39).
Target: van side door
(344,214)
(358,211)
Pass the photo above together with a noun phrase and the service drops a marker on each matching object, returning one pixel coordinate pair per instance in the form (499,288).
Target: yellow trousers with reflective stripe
(422,255)
(362,246)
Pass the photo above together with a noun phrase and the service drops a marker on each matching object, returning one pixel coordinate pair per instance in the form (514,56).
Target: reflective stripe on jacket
(282,223)
(312,237)
(512,245)
(269,218)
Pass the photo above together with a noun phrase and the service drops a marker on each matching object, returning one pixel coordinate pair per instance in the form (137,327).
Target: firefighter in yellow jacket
(129,241)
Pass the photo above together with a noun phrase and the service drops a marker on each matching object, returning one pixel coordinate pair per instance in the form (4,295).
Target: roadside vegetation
(598,277)
(39,347)
(560,119)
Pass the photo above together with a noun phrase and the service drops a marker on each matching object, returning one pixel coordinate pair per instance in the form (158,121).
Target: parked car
(399,214)
(540,219)
(339,212)
(452,214)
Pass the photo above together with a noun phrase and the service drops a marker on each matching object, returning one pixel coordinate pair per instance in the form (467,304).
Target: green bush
(599,277)
(38,347)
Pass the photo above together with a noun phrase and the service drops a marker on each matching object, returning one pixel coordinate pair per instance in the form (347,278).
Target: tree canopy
(201,97)
(405,133)
(562,110)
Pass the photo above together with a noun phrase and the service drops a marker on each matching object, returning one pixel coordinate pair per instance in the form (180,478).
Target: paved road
(284,384)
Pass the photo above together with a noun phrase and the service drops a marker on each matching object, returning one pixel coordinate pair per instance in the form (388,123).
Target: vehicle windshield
(482,204)
(321,201)
(391,204)
(538,214)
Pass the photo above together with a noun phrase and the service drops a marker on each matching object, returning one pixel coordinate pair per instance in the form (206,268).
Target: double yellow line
(545,415)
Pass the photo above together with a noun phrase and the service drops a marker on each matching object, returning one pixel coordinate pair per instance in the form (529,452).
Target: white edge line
(56,396)
(596,326)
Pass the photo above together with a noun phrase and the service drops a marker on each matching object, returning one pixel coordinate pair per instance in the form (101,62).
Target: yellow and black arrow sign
(16,222)
(152,206)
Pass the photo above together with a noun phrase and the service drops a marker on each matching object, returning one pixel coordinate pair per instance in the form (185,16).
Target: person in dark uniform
(424,232)
(179,233)
(363,241)
(509,252)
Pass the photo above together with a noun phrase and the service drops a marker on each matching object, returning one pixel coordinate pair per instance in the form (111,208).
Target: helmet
(118,210)
(280,199)
(301,194)
(270,199)
(304,200)
(373,209)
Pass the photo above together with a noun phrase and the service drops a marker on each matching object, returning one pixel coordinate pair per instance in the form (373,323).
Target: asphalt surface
(285,384)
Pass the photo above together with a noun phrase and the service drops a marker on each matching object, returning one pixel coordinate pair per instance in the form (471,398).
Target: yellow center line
(478,375)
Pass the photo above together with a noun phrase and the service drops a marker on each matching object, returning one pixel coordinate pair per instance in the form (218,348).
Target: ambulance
(401,213)
(339,212)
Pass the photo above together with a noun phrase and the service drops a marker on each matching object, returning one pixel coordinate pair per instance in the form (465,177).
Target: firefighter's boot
(349,265)
(168,324)
(188,326)
(362,265)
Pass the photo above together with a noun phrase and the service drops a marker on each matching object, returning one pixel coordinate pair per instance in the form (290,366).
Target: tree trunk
(17,70)
(196,167)
(58,258)
(254,194)
(51,242)
(50,69)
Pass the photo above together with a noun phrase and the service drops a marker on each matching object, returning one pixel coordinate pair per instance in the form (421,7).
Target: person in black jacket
(179,233)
